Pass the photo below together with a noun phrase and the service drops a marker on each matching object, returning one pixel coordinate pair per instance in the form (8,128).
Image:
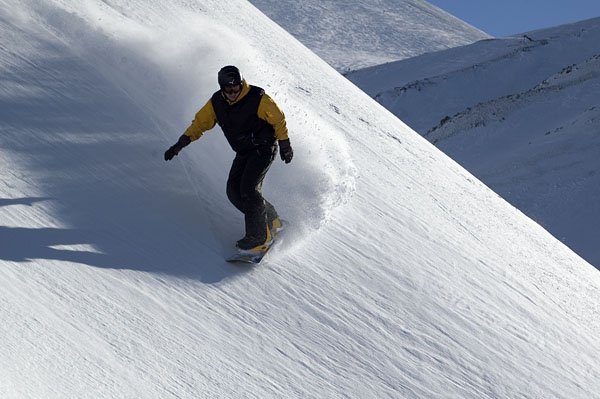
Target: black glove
(285,150)
(175,148)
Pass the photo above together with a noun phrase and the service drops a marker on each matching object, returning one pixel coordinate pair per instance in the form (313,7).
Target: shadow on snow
(96,156)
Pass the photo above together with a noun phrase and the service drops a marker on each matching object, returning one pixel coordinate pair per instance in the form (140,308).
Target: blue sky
(508,17)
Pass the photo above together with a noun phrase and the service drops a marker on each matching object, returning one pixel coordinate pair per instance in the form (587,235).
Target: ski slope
(401,274)
(520,113)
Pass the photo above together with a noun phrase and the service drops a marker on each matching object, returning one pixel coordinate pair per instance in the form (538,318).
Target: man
(253,125)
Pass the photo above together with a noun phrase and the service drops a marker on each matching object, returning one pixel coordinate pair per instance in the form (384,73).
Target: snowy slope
(355,34)
(519,113)
(401,276)
(548,165)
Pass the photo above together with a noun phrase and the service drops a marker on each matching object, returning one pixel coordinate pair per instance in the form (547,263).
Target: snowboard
(253,258)
(249,257)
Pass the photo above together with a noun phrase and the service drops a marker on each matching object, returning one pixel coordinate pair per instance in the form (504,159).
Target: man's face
(232,92)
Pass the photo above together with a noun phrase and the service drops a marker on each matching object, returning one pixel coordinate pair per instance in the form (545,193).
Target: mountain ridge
(356,35)
(480,93)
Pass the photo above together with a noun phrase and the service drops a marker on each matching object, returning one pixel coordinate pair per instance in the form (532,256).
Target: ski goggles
(232,89)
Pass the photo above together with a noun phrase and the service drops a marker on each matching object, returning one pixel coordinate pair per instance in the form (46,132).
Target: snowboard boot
(275,225)
(273,220)
(256,244)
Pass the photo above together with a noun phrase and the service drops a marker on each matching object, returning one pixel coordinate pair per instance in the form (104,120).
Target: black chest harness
(244,130)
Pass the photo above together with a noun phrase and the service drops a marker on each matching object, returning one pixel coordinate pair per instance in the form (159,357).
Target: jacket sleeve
(270,112)
(205,120)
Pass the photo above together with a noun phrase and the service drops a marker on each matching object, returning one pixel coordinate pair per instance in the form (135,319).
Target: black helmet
(229,76)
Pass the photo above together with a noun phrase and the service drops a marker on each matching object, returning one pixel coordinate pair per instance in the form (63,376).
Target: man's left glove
(175,148)
(285,150)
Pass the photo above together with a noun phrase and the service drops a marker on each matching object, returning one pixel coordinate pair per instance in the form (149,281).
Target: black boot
(256,243)
(273,221)
(258,236)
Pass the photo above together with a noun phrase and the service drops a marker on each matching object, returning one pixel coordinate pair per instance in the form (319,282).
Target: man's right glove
(175,148)
(285,150)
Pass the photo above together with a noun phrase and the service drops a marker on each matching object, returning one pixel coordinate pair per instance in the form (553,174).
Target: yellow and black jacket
(251,121)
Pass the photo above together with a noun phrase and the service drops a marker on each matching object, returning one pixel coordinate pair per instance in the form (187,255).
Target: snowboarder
(253,125)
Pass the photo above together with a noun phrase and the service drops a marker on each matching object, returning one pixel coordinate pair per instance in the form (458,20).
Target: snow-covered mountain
(356,34)
(521,113)
(401,275)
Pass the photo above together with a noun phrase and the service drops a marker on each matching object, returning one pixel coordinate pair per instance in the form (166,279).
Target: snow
(401,275)
(520,113)
(356,34)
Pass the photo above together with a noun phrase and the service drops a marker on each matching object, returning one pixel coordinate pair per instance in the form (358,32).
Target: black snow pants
(244,189)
